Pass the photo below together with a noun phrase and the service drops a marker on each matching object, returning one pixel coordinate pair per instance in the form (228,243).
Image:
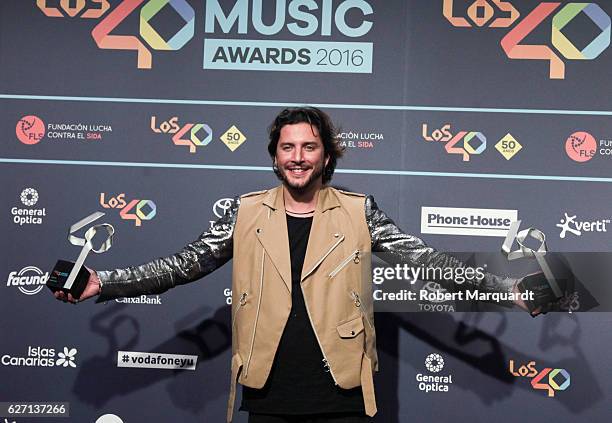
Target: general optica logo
(29,197)
(580,146)
(482,14)
(30,130)
(434,363)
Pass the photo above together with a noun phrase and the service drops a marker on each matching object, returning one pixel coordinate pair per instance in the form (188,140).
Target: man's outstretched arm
(210,251)
(404,248)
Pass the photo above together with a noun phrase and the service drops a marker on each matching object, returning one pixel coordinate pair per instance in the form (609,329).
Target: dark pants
(311,418)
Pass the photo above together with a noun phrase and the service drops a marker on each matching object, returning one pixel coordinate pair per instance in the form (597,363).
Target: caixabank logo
(237,35)
(518,44)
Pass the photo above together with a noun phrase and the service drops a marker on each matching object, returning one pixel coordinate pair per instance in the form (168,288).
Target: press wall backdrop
(155,112)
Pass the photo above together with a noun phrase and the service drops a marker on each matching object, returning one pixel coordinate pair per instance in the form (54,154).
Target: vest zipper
(354,256)
(357,302)
(241,303)
(323,258)
(326,364)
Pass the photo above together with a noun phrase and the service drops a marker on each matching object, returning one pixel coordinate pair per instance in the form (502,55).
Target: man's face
(300,156)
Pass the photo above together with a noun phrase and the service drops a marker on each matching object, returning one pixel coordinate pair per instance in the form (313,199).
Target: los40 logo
(136,210)
(481,13)
(191,135)
(547,379)
(466,143)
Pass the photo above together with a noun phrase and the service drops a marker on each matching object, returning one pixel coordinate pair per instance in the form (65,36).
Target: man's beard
(316,174)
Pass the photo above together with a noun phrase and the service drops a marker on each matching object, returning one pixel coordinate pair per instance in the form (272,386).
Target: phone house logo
(466,221)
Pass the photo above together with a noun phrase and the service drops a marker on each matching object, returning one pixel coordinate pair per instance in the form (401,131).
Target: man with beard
(304,343)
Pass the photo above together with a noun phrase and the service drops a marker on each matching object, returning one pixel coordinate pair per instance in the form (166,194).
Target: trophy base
(59,275)
(543,295)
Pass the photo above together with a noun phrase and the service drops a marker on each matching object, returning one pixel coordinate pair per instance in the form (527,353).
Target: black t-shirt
(298,381)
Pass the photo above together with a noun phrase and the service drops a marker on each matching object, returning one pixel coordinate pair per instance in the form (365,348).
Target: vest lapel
(273,236)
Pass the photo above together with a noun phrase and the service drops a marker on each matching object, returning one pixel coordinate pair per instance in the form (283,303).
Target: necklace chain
(293,212)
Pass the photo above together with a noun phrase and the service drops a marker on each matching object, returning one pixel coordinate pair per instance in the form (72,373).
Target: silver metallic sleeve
(210,251)
(404,248)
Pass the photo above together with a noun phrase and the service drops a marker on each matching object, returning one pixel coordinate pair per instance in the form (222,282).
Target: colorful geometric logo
(136,210)
(580,146)
(180,38)
(558,379)
(481,13)
(30,130)
(478,140)
(200,134)
(596,46)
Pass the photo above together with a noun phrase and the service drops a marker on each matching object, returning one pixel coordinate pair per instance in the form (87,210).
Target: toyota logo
(222,205)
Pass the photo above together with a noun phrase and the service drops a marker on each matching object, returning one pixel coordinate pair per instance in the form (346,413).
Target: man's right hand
(91,290)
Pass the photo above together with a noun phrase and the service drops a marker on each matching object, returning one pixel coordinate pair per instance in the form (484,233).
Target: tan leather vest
(336,283)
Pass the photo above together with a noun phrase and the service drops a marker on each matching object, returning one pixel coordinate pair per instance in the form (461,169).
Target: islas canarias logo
(288,43)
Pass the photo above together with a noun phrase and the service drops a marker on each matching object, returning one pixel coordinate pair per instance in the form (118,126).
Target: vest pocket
(351,328)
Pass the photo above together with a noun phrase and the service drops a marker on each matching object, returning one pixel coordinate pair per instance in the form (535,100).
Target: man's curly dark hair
(317,119)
